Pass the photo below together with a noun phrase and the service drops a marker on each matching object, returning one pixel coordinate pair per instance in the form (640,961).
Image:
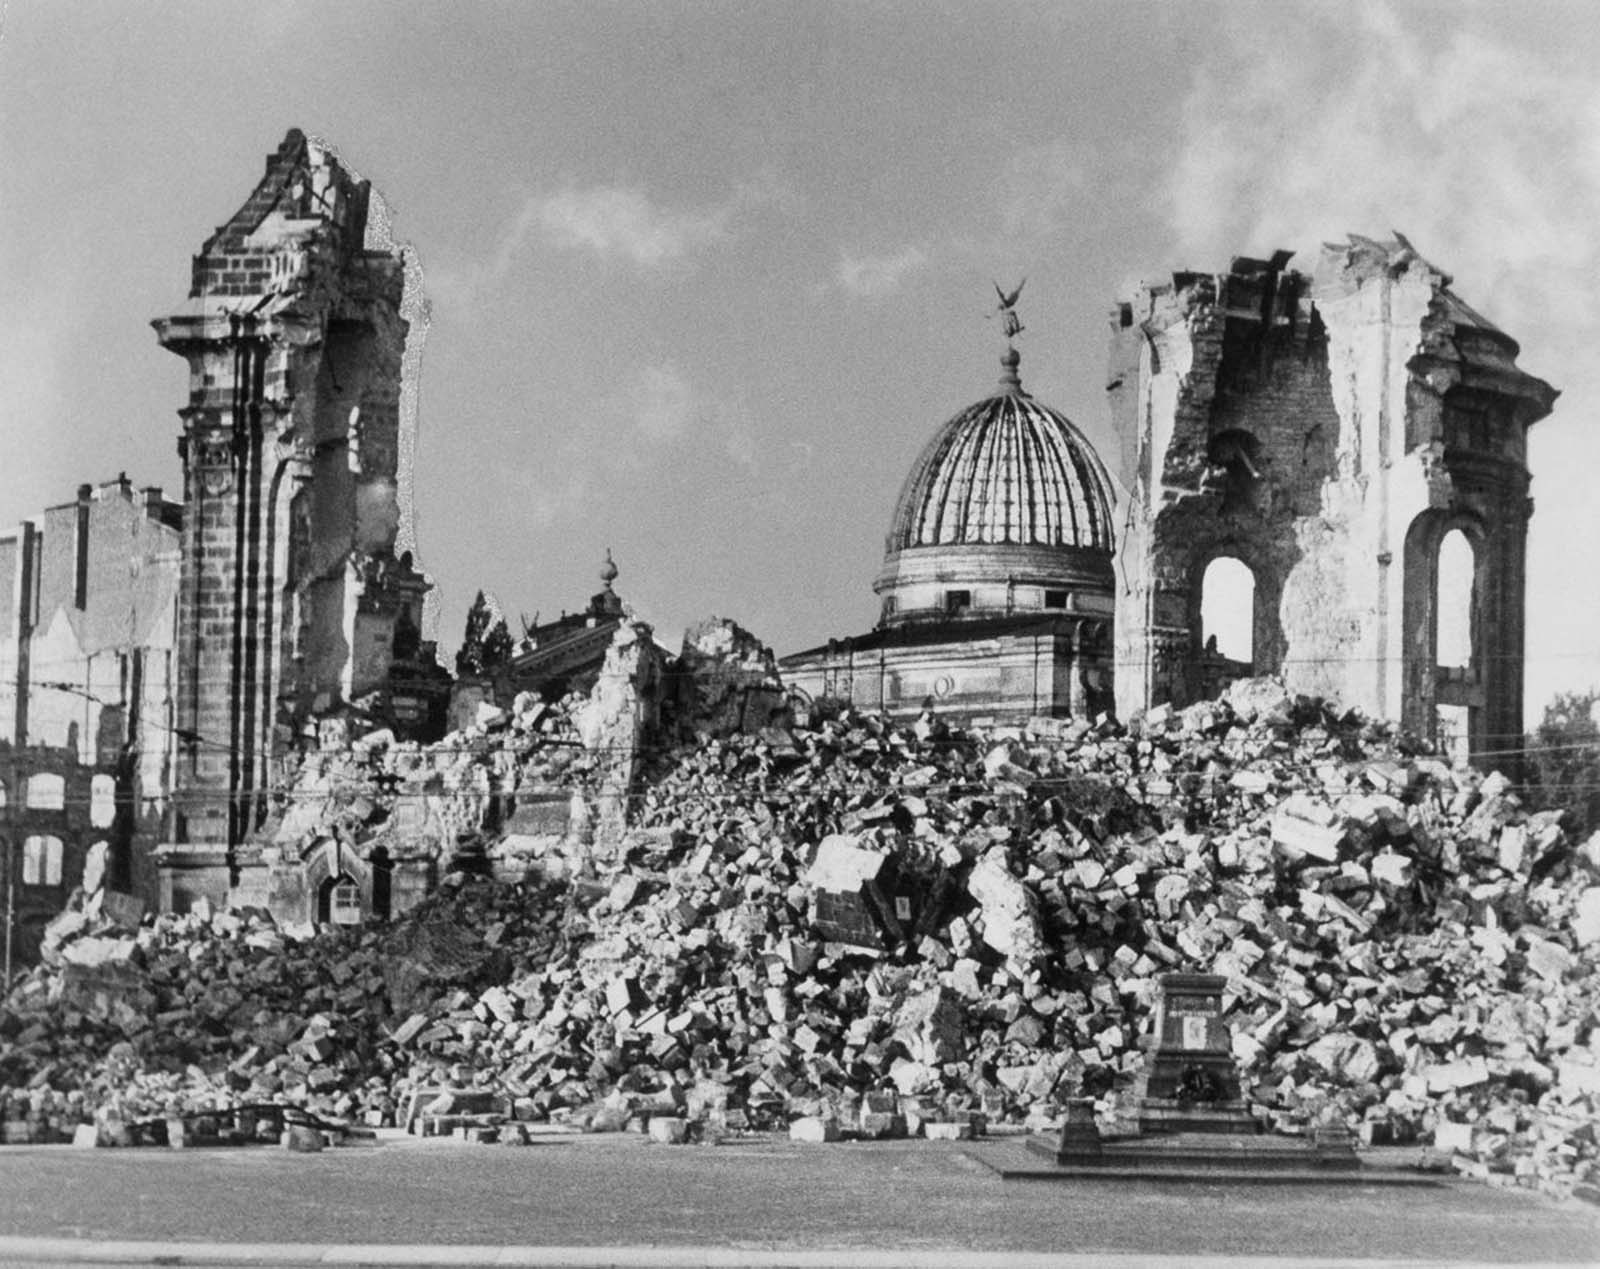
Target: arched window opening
(1227,609)
(1227,623)
(1455,674)
(102,801)
(1456,583)
(381,869)
(339,901)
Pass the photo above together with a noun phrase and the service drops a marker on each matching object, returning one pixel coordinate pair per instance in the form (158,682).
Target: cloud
(666,406)
(739,444)
(662,403)
(548,503)
(623,222)
(1303,123)
(620,222)
(869,276)
(1372,118)
(1042,188)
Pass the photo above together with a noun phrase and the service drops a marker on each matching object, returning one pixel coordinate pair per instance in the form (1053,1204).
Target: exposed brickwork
(291,590)
(1328,432)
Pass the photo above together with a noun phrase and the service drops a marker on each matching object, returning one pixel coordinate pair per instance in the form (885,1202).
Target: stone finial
(1010,380)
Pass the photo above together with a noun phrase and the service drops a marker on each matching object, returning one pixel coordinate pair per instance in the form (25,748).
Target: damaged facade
(1329,433)
(1334,436)
(551,659)
(292,601)
(88,615)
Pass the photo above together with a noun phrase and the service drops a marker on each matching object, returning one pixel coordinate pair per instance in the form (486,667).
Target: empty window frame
(344,904)
(46,792)
(41,860)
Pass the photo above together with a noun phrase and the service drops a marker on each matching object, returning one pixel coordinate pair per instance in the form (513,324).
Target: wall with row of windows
(949,601)
(42,855)
(47,791)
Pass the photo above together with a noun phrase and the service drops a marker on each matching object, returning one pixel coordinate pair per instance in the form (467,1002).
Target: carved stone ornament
(215,464)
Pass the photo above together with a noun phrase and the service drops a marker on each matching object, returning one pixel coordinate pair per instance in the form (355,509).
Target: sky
(702,277)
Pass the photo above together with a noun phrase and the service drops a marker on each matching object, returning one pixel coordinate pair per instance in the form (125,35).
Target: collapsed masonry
(858,927)
(531,785)
(292,599)
(1329,433)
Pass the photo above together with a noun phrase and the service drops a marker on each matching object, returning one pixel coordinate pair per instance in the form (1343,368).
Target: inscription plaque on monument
(1189,1082)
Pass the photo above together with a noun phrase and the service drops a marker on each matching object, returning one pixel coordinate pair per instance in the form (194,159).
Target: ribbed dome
(1006,470)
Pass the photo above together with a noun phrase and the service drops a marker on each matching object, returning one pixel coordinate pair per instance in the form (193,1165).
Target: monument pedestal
(1193,1122)
(1159,1116)
(1190,1083)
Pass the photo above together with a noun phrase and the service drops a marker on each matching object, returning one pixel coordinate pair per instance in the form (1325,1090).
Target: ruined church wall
(1329,432)
(291,436)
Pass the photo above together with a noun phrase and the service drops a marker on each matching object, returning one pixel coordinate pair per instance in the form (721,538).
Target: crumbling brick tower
(1329,434)
(290,591)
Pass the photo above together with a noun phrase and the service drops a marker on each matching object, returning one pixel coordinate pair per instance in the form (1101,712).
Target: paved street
(753,1198)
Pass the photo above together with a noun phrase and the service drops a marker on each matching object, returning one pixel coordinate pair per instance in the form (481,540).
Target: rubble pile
(853,926)
(422,802)
(196,1013)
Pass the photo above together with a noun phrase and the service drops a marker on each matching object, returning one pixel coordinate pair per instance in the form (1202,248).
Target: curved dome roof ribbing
(1007,494)
(1007,469)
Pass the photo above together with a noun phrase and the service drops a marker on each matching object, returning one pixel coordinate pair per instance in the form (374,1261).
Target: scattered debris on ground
(853,928)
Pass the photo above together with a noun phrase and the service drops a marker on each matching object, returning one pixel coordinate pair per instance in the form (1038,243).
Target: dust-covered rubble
(852,928)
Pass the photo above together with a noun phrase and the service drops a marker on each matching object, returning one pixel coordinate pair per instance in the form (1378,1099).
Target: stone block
(1451,1136)
(302,1139)
(810,1128)
(669,1130)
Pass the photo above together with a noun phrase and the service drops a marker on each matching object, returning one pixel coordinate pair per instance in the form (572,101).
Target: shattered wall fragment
(292,599)
(1448,1001)
(1328,433)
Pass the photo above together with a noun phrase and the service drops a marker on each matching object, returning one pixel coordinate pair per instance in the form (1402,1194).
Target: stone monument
(1189,1083)
(1193,1120)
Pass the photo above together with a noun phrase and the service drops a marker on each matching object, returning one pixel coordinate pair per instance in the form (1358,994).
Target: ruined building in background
(1356,440)
(996,586)
(551,658)
(293,602)
(1350,445)
(88,594)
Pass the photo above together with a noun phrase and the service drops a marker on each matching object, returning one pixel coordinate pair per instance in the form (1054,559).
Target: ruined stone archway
(1226,624)
(324,866)
(1426,684)
(1210,670)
